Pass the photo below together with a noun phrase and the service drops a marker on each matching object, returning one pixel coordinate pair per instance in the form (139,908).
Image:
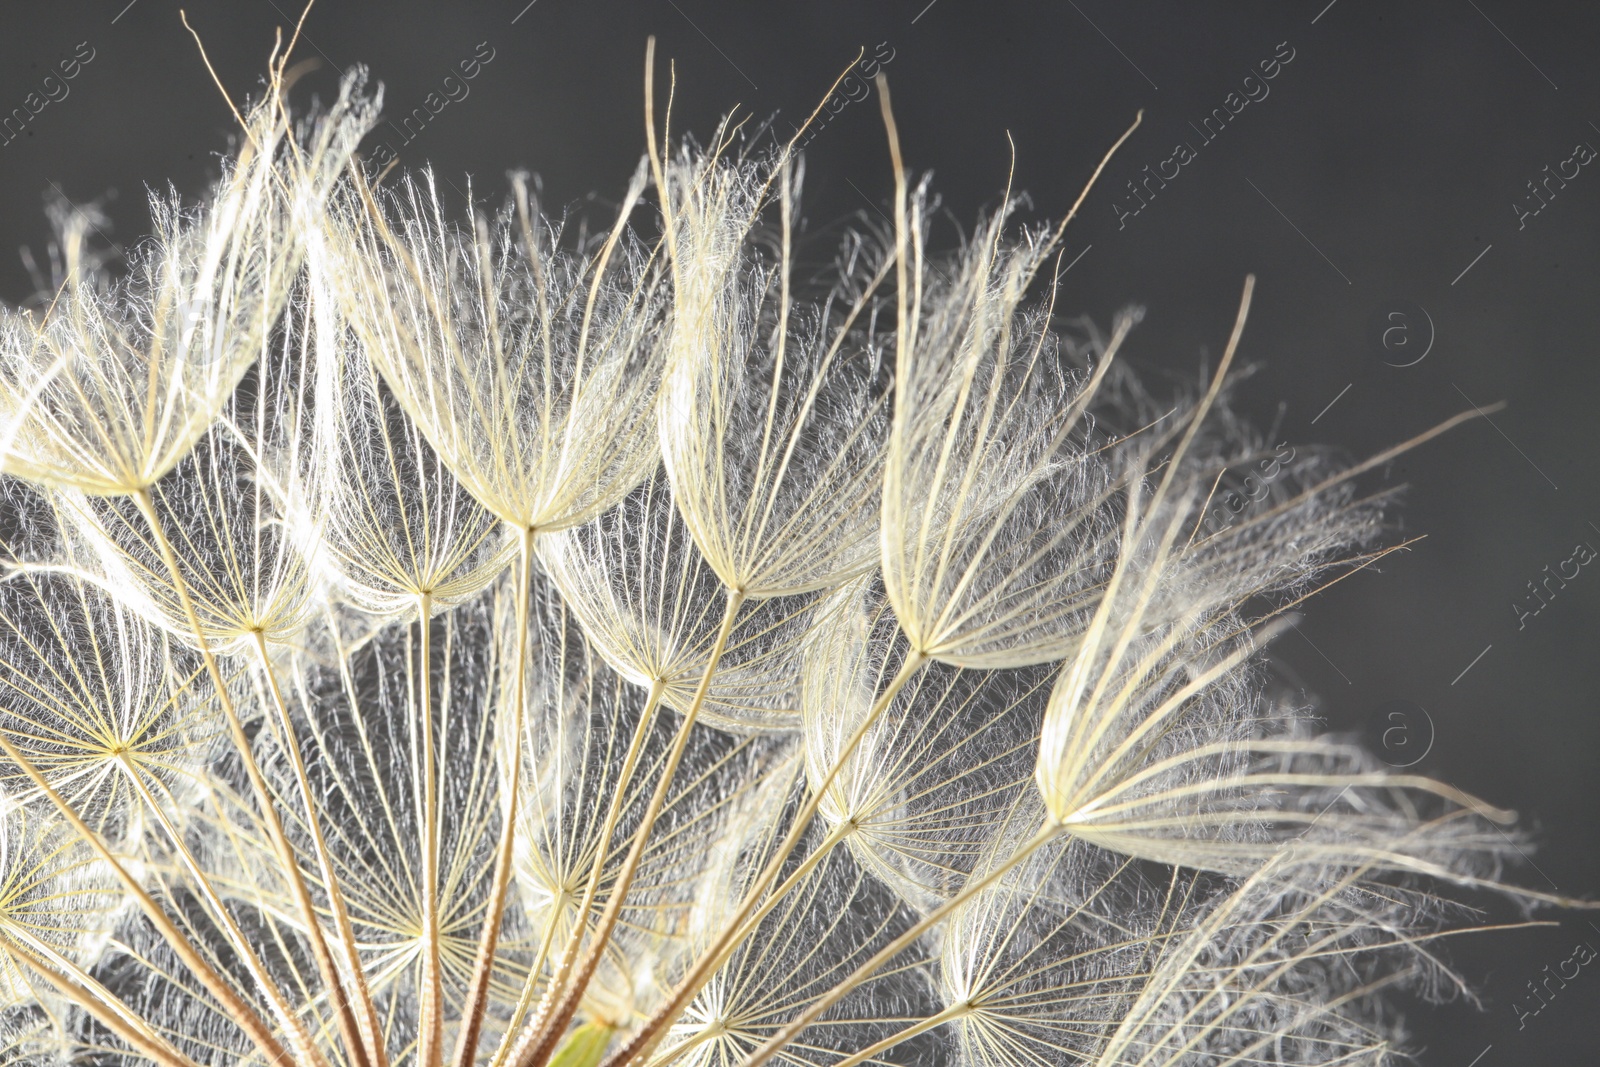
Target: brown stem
(569,955)
(745,919)
(488,937)
(526,999)
(237,1009)
(540,1043)
(208,893)
(241,742)
(94,1000)
(430,1007)
(363,1035)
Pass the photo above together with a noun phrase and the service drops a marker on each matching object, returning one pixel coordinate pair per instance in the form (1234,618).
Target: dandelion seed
(936,775)
(398,528)
(111,389)
(774,421)
(57,906)
(243,506)
(652,606)
(999,522)
(91,694)
(530,369)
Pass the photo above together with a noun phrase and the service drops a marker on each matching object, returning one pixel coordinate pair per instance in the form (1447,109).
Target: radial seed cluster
(476,639)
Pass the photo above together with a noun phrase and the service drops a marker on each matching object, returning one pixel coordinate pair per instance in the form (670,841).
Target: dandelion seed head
(430,640)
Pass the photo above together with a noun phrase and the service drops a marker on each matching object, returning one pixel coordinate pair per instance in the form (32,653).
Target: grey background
(1383,164)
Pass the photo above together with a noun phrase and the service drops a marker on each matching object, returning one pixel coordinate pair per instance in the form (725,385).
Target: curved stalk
(362,1034)
(540,1042)
(861,974)
(748,916)
(488,938)
(243,1014)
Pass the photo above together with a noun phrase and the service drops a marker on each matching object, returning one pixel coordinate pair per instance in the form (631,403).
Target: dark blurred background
(1417,189)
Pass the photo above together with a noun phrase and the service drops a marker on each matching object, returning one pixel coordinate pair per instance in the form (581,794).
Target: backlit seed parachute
(1041,966)
(1257,976)
(242,508)
(938,773)
(774,414)
(367,720)
(529,367)
(109,389)
(91,696)
(360,723)
(531,371)
(1156,742)
(999,520)
(651,605)
(1069,959)
(58,907)
(398,527)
